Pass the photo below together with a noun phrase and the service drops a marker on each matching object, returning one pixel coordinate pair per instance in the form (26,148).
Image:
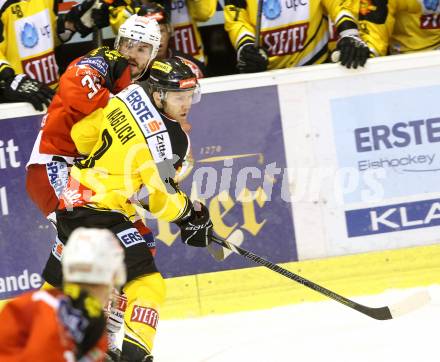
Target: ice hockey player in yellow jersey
(135,141)
(292,33)
(400,26)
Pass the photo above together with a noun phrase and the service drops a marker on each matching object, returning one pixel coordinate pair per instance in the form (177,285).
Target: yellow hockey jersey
(184,17)
(400,26)
(135,148)
(294,32)
(27,38)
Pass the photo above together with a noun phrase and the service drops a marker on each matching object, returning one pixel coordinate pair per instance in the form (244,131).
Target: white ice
(308,332)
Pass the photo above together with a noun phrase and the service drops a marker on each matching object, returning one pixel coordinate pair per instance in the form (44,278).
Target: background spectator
(400,26)
(29,32)
(184,16)
(157,12)
(291,33)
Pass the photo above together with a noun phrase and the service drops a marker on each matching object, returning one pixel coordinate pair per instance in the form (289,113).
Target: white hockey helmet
(140,29)
(93,256)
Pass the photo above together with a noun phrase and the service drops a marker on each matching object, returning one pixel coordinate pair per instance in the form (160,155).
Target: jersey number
(88,81)
(91,160)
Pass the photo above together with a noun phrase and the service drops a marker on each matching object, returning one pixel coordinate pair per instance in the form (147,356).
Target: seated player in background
(400,26)
(292,33)
(131,145)
(157,12)
(29,32)
(68,324)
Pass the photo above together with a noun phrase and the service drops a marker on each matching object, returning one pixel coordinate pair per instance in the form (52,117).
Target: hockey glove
(21,88)
(196,227)
(353,50)
(100,15)
(251,59)
(81,16)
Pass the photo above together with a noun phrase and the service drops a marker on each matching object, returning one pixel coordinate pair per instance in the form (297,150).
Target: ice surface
(308,332)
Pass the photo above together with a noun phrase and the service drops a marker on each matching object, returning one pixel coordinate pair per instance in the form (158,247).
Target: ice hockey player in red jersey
(68,325)
(86,86)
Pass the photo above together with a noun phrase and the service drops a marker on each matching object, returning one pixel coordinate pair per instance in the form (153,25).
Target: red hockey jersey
(30,330)
(85,86)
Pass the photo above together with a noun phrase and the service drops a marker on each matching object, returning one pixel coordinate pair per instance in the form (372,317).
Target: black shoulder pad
(109,63)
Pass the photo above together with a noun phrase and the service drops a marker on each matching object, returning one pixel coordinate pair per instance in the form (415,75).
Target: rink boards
(308,164)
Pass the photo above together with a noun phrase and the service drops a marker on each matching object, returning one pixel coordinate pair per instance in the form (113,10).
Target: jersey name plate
(150,122)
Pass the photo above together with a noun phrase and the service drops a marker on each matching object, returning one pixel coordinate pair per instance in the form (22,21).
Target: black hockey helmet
(172,75)
(155,11)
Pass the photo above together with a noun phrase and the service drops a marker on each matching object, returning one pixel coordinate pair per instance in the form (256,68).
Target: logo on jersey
(145,315)
(57,249)
(430,21)
(287,40)
(295,4)
(184,40)
(282,13)
(33,35)
(29,35)
(43,68)
(58,175)
(130,237)
(74,195)
(154,125)
(177,5)
(98,63)
(430,4)
(271,9)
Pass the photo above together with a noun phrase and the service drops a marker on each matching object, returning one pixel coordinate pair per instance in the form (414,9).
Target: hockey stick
(97,38)
(258,24)
(381,313)
(219,254)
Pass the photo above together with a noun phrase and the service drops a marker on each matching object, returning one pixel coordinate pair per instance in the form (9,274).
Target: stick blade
(217,254)
(220,254)
(410,304)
